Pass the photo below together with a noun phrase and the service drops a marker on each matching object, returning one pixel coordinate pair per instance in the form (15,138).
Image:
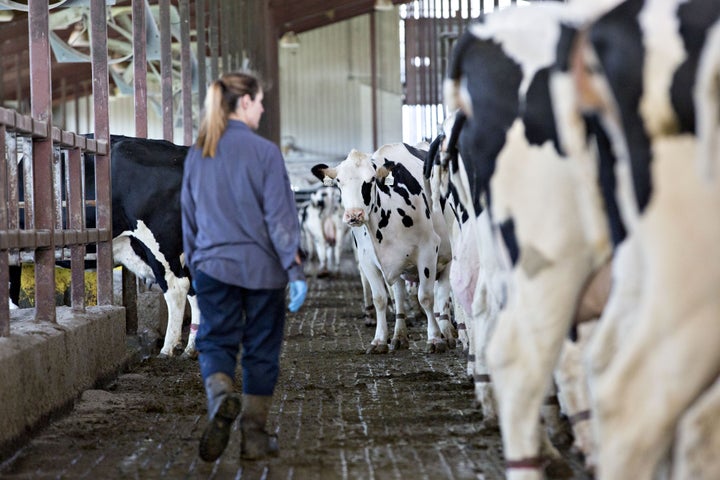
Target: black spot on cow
(427,206)
(606,178)
(366,190)
(426,272)
(384,218)
(507,231)
(537,114)
(406,219)
(405,183)
(493,80)
(618,43)
(379,236)
(696,18)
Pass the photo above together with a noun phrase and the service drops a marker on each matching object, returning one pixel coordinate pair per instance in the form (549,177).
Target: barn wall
(122,118)
(325,93)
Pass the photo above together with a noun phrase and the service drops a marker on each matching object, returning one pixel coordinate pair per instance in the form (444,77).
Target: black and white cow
(146,225)
(321,222)
(398,237)
(545,206)
(146,184)
(650,71)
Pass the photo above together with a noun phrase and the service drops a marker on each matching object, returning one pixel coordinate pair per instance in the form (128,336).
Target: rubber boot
(223,407)
(256,442)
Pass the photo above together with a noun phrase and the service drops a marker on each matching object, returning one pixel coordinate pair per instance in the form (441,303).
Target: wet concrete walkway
(339,413)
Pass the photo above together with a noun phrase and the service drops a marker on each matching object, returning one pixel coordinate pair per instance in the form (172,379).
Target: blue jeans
(231,316)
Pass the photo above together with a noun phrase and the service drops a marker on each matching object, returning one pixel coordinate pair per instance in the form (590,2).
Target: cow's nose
(354,217)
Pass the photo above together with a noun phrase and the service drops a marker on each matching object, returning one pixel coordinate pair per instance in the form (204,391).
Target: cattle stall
(68,68)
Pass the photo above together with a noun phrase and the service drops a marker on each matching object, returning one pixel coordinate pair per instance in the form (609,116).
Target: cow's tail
(707,105)
(452,87)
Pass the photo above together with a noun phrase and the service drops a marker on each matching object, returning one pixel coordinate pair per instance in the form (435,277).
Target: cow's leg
(400,339)
(522,354)
(15,276)
(322,254)
(190,351)
(380,302)
(483,322)
(695,453)
(670,356)
(655,376)
(427,269)
(368,305)
(442,306)
(175,297)
(573,393)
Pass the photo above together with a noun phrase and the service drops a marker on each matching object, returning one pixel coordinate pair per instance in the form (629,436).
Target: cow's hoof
(378,349)
(400,344)
(436,346)
(189,355)
(163,355)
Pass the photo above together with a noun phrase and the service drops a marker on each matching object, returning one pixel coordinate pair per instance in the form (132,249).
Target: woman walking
(241,239)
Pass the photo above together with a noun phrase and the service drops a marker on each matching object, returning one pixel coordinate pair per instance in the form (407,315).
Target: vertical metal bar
(57,187)
(18,84)
(166,70)
(4,264)
(225,37)
(373,79)
(99,52)
(214,41)
(238,41)
(2,69)
(76,91)
(13,194)
(88,110)
(28,182)
(75,208)
(201,30)
(129,281)
(140,67)
(186,71)
(63,106)
(41,95)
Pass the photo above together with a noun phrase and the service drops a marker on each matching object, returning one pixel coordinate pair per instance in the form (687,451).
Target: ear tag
(389,180)
(327,181)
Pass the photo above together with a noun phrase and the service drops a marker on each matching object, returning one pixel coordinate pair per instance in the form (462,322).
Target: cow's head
(325,199)
(356,176)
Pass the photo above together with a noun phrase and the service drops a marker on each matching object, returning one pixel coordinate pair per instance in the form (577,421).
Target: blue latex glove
(298,291)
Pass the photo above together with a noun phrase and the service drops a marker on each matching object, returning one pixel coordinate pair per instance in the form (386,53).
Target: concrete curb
(45,366)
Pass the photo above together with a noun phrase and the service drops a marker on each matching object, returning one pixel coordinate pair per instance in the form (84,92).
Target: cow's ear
(321,171)
(384,176)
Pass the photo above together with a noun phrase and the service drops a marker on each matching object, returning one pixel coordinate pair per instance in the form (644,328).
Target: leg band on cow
(534,463)
(580,417)
(482,378)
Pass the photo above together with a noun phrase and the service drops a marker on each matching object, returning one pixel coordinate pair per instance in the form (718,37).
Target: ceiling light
(384,5)
(289,40)
(6,15)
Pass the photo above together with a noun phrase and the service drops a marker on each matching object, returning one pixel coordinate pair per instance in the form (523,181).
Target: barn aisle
(339,413)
